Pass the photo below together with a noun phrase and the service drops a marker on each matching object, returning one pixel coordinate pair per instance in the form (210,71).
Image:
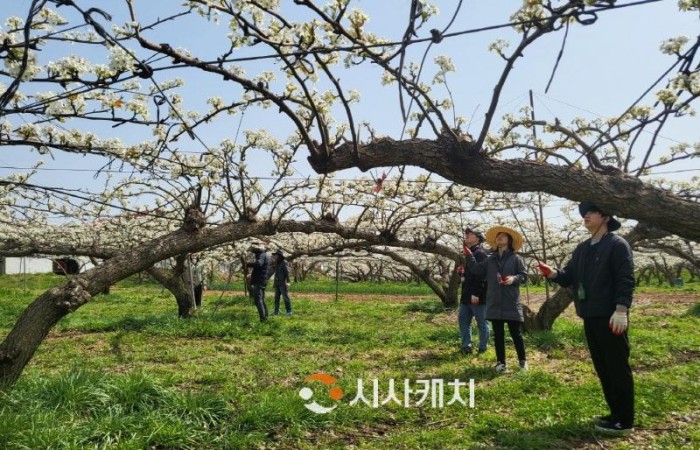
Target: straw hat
(492,232)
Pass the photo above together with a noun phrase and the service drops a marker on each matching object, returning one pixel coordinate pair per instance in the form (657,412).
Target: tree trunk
(625,195)
(34,324)
(452,291)
(178,286)
(36,320)
(549,311)
(423,274)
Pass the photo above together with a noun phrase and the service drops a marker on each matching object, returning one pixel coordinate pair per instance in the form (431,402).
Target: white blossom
(667,96)
(120,60)
(688,5)
(673,46)
(498,46)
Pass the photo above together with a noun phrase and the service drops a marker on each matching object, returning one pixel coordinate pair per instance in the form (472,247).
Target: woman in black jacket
(505,272)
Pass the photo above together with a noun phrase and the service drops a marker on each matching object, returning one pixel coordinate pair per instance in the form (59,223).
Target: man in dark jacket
(601,271)
(281,283)
(473,300)
(258,278)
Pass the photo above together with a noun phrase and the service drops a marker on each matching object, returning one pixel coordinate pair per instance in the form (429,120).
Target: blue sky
(604,69)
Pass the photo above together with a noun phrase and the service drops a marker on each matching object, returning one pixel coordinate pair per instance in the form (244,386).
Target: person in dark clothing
(601,271)
(473,299)
(505,272)
(258,278)
(281,283)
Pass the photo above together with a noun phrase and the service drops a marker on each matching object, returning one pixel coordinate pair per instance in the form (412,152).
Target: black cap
(585,207)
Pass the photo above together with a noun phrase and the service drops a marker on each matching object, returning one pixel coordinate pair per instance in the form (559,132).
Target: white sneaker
(524,365)
(500,368)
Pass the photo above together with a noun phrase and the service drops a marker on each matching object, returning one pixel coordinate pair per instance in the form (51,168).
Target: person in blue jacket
(601,271)
(505,272)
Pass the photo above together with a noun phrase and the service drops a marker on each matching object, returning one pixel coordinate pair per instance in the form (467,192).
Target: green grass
(343,287)
(123,372)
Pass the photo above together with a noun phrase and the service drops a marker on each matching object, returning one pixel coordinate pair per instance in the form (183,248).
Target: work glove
(466,250)
(507,280)
(618,322)
(460,269)
(545,270)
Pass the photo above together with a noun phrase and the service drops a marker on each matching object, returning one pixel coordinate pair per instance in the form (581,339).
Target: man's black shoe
(616,428)
(601,419)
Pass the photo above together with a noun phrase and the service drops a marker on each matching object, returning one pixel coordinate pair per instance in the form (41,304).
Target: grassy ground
(124,372)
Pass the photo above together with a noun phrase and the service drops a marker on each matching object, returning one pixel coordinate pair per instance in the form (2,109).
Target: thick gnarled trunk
(34,324)
(178,286)
(627,196)
(41,315)
(544,318)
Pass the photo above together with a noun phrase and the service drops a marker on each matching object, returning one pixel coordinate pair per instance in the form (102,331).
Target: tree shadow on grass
(477,371)
(205,324)
(548,339)
(446,335)
(128,323)
(555,436)
(430,307)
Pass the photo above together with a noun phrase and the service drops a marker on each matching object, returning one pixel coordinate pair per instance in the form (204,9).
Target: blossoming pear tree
(118,97)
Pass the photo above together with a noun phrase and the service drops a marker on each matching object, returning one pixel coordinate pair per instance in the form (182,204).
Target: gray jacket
(502,302)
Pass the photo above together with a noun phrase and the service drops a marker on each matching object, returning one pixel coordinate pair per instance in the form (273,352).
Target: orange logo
(335,393)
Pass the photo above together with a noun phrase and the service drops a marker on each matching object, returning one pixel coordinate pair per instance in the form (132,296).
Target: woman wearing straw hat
(505,272)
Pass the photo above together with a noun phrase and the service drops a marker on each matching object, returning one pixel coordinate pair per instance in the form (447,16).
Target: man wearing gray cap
(472,303)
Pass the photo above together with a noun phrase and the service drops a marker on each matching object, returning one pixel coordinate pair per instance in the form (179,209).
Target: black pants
(499,339)
(610,354)
(259,300)
(198,295)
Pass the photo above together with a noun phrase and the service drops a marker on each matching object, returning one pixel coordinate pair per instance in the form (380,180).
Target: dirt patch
(328,297)
(69,334)
(532,300)
(674,298)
